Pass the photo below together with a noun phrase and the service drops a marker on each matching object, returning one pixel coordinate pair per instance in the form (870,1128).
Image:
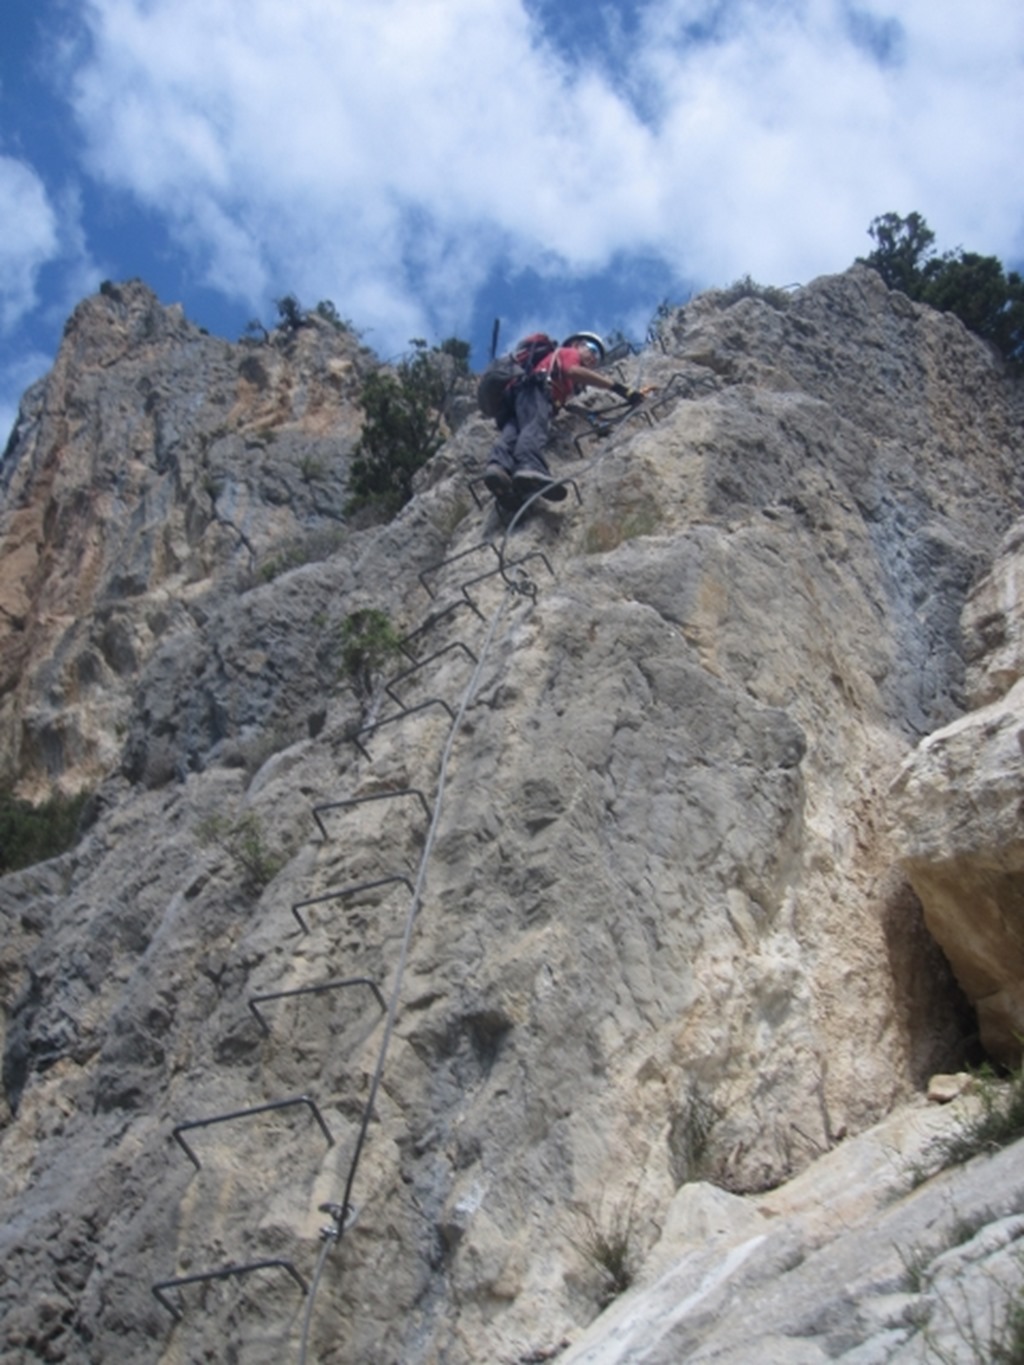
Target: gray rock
(628,864)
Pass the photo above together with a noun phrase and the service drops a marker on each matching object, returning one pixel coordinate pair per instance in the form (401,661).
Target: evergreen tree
(903,247)
(404,412)
(976,288)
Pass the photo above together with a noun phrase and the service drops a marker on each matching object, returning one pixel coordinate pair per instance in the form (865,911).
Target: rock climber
(517,467)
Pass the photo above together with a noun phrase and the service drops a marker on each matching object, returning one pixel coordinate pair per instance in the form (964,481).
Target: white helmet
(590,339)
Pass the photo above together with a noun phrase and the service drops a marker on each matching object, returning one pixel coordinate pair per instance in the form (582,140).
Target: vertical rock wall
(153,466)
(664,933)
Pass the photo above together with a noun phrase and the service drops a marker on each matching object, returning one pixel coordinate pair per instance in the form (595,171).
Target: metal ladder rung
(246,1114)
(604,429)
(223,1273)
(502,569)
(454,559)
(374,796)
(351,890)
(256,1000)
(422,663)
(431,621)
(401,715)
(678,386)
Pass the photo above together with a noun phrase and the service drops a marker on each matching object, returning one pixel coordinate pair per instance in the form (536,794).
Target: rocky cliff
(364,1025)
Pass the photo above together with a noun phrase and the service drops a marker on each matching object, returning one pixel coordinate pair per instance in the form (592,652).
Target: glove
(632,396)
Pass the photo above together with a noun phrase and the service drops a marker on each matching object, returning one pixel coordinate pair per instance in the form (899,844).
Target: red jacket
(565,357)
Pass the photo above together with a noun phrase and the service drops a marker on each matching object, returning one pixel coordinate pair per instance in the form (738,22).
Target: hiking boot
(528,481)
(498,481)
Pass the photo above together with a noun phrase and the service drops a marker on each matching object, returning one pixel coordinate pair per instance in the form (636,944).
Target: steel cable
(334,1236)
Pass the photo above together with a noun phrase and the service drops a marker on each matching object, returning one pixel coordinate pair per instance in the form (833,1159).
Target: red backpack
(507,370)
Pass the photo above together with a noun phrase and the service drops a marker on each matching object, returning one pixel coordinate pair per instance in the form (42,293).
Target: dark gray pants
(524,429)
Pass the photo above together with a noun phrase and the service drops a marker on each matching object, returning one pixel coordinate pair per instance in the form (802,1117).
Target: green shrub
(747,288)
(368,641)
(607,1245)
(404,411)
(984,1336)
(975,288)
(917,1268)
(32,833)
(312,469)
(290,313)
(997,1121)
(325,309)
(243,840)
(311,548)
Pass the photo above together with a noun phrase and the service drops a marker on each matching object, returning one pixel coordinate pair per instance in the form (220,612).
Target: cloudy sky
(429,165)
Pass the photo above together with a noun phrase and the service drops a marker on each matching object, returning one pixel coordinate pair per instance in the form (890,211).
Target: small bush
(994,1336)
(661,314)
(689,1137)
(998,1121)
(1006,1346)
(746,288)
(368,642)
(325,309)
(606,1243)
(916,1269)
(32,833)
(290,313)
(244,842)
(309,549)
(312,469)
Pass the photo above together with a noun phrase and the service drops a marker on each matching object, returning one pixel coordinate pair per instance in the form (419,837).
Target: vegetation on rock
(368,641)
(245,843)
(996,1122)
(32,833)
(976,288)
(405,411)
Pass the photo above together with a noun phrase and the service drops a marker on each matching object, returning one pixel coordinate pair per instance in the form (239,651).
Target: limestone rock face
(957,803)
(150,462)
(597,904)
(844,1263)
(993,625)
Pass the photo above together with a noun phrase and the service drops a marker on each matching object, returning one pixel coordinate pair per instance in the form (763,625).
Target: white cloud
(29,238)
(389,153)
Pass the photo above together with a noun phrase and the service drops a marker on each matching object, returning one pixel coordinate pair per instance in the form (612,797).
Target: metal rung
(401,715)
(422,663)
(324,986)
(504,570)
(224,1273)
(428,624)
(679,385)
(454,559)
(473,484)
(621,351)
(605,428)
(673,389)
(351,890)
(246,1114)
(374,796)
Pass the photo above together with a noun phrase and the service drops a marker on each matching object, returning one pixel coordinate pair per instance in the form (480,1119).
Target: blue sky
(429,165)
